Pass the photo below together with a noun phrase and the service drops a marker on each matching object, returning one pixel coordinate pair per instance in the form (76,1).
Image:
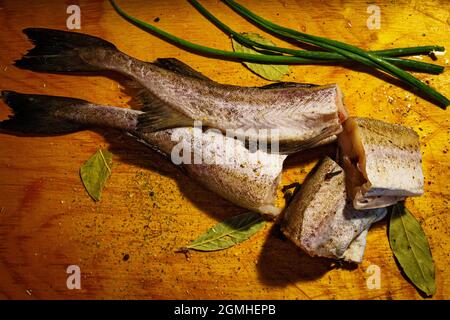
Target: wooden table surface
(149,208)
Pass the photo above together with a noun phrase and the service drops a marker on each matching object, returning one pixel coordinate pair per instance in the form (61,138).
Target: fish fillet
(226,166)
(382,161)
(356,249)
(322,222)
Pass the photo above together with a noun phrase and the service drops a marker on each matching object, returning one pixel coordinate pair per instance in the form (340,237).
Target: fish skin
(320,219)
(356,249)
(301,114)
(382,151)
(247,179)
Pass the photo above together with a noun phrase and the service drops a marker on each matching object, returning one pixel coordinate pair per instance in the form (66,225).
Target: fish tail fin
(158,115)
(38,114)
(59,51)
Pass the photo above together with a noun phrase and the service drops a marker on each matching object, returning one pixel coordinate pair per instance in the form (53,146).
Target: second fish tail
(53,115)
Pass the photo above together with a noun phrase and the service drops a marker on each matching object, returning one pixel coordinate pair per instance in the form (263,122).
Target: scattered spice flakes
(126,257)
(157,19)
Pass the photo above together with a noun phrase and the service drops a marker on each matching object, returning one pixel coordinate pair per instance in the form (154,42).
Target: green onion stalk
(390,54)
(349,51)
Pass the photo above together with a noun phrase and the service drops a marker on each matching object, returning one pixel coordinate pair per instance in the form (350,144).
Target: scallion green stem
(330,56)
(410,51)
(414,65)
(258,58)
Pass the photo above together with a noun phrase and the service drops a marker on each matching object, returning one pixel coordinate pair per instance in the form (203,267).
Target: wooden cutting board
(125,245)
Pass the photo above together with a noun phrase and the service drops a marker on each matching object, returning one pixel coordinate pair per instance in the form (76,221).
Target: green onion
(277,59)
(344,49)
(266,58)
(331,56)
(410,51)
(414,65)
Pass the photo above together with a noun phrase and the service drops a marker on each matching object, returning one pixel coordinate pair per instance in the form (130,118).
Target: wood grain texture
(149,208)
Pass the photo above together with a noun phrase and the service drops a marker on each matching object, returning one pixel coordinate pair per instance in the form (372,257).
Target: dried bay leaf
(410,246)
(229,232)
(273,72)
(95,172)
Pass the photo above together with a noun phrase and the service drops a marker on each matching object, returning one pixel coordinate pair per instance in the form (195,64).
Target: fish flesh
(172,95)
(294,117)
(248,179)
(322,221)
(356,249)
(382,161)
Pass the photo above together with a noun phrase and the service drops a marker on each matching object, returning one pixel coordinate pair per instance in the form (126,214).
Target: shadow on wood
(281,263)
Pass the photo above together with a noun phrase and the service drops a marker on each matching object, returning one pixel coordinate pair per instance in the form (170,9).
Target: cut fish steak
(322,222)
(382,161)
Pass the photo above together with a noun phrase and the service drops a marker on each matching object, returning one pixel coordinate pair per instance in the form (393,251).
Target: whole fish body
(382,161)
(172,96)
(248,179)
(298,116)
(322,221)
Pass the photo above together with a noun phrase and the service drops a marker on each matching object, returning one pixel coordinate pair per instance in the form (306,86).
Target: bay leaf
(410,246)
(95,172)
(273,72)
(229,232)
